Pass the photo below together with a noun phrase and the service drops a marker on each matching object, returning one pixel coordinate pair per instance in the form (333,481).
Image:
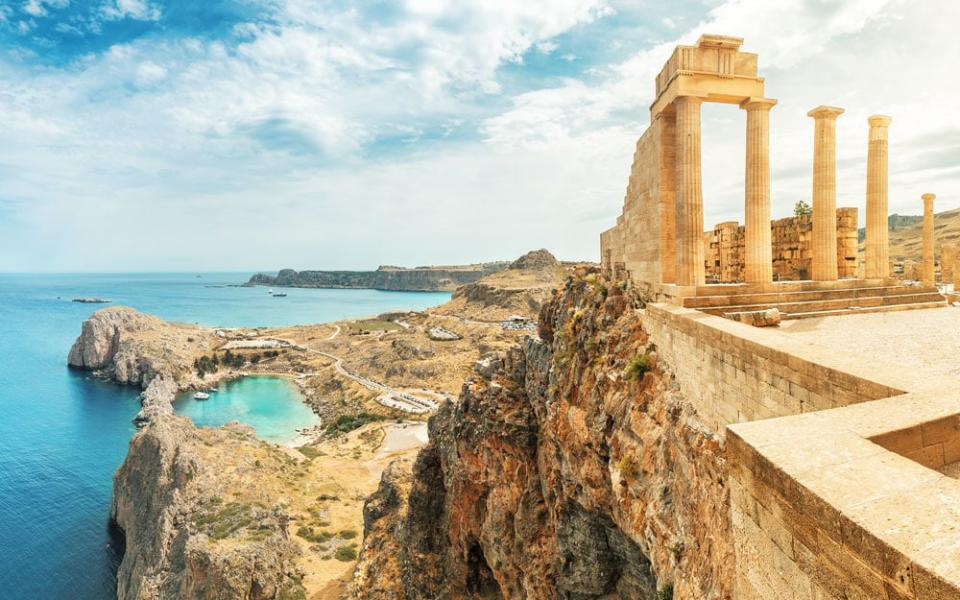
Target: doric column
(758,253)
(948,257)
(877,244)
(689,223)
(928,274)
(824,267)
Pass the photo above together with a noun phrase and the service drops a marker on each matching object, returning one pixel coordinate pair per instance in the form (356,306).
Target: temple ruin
(660,242)
(842,458)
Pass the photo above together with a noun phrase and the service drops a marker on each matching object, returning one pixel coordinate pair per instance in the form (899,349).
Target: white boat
(269,291)
(200,396)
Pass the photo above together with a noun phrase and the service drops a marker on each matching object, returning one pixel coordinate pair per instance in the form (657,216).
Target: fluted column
(876,246)
(928,274)
(689,223)
(824,267)
(758,252)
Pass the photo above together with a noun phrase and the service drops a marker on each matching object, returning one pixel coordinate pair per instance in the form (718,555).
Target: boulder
(758,318)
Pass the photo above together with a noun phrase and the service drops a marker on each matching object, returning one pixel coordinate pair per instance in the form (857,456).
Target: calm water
(63,434)
(273,406)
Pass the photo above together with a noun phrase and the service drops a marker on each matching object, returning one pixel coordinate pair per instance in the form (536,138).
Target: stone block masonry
(724,248)
(832,469)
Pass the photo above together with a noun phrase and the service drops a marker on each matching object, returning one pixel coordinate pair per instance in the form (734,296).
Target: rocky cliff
(188,532)
(570,467)
(133,348)
(427,279)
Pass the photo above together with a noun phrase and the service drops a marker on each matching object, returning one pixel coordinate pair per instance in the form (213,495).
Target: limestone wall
(731,374)
(724,248)
(841,503)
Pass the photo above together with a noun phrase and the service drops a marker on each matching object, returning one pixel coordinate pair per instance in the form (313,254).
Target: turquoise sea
(64,433)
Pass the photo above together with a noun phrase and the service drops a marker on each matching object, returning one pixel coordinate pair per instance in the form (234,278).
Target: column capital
(690,98)
(929,197)
(756,103)
(879,120)
(825,112)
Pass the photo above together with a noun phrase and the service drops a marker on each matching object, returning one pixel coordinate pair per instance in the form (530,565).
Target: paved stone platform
(924,342)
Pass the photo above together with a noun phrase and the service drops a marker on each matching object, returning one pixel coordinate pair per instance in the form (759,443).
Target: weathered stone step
(876,309)
(734,289)
(834,304)
(705,302)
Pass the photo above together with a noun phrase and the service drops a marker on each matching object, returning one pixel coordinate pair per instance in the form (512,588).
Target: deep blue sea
(64,433)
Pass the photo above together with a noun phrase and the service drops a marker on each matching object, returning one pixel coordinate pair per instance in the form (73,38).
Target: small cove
(273,406)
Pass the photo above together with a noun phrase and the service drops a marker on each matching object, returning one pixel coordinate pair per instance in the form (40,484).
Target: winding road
(389,397)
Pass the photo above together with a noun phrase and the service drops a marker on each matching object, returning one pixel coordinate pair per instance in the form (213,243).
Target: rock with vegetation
(193,525)
(570,467)
(132,347)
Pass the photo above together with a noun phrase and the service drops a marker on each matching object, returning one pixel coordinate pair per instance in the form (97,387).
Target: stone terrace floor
(923,343)
(927,342)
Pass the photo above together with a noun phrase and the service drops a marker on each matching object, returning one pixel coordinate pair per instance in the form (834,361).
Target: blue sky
(260,134)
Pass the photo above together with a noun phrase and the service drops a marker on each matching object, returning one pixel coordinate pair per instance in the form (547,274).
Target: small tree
(802,208)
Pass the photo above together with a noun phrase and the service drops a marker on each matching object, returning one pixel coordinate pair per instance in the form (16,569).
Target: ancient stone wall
(730,378)
(724,248)
(642,242)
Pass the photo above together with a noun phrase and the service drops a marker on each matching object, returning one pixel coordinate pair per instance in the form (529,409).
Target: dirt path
(389,396)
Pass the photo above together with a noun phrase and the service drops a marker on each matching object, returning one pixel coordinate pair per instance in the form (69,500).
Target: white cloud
(38,8)
(869,56)
(140,10)
(280,132)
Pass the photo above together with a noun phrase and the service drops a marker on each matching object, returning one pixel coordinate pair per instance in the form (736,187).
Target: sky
(152,135)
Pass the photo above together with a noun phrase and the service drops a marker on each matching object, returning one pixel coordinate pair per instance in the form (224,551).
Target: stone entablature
(791,257)
(713,69)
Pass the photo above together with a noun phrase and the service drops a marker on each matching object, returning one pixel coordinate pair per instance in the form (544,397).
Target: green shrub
(347,534)
(628,467)
(347,423)
(666,592)
(310,452)
(345,554)
(639,366)
(310,535)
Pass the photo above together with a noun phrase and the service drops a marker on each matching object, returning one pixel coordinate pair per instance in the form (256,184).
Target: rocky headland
(132,348)
(417,279)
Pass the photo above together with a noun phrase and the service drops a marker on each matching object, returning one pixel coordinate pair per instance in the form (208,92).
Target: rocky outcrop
(134,348)
(187,536)
(569,468)
(535,260)
(523,301)
(427,279)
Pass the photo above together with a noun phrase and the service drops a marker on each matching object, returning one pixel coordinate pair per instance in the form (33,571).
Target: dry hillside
(906,242)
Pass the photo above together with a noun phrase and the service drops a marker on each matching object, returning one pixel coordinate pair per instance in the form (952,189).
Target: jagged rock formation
(425,279)
(187,536)
(571,468)
(134,348)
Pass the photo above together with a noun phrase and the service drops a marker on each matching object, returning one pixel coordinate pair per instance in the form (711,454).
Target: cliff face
(186,537)
(571,469)
(133,348)
(426,279)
